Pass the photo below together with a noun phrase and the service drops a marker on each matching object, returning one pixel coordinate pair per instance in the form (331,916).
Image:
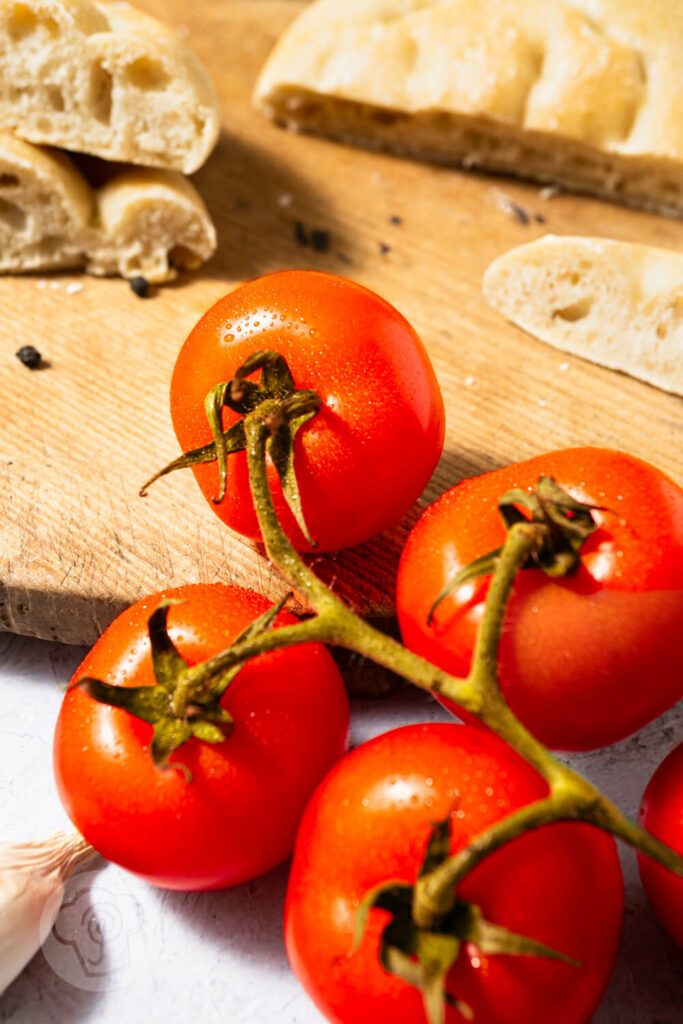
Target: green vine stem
(570,797)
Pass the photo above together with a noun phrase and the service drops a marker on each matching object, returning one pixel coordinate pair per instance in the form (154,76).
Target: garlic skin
(32,878)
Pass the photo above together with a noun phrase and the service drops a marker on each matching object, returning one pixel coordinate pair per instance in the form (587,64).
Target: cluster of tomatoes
(584,661)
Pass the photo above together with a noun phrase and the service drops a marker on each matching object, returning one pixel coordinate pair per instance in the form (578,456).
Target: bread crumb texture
(106,79)
(138,222)
(615,303)
(583,93)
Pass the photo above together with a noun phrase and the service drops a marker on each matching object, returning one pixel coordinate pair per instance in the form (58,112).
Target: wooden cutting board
(80,436)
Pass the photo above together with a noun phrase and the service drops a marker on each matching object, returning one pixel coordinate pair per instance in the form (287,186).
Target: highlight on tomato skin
(661,813)
(585,660)
(369,822)
(363,460)
(237,817)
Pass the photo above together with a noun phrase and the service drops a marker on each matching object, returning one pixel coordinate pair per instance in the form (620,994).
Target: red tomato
(238,816)
(584,660)
(369,822)
(365,457)
(661,813)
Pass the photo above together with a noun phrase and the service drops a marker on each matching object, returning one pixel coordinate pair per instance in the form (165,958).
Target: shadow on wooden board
(266,217)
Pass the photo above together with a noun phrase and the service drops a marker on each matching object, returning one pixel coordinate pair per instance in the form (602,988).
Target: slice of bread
(587,94)
(617,304)
(140,222)
(105,79)
(47,209)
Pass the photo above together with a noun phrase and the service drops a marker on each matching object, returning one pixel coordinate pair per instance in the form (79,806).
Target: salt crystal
(74,288)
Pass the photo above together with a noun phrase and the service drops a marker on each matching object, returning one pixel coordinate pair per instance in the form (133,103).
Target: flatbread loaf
(140,222)
(105,79)
(617,304)
(587,94)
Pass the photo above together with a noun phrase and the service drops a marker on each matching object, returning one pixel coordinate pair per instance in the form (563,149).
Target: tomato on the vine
(237,814)
(367,454)
(369,822)
(661,813)
(584,660)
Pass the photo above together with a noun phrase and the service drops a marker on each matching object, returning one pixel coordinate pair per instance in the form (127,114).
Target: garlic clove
(32,878)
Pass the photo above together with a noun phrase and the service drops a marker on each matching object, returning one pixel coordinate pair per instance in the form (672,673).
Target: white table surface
(173,958)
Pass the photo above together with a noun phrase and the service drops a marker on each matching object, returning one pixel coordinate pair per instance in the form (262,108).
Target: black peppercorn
(320,240)
(29,356)
(140,285)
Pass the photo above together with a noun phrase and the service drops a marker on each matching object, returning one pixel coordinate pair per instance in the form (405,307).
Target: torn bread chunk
(140,222)
(586,94)
(47,209)
(615,303)
(152,223)
(105,79)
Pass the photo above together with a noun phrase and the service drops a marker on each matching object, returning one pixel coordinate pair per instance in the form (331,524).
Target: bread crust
(106,79)
(585,93)
(139,222)
(615,303)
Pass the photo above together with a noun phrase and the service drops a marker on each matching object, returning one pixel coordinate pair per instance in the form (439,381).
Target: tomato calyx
(185,702)
(278,402)
(563,524)
(423,956)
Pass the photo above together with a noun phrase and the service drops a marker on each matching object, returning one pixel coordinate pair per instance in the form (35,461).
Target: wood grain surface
(79,436)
